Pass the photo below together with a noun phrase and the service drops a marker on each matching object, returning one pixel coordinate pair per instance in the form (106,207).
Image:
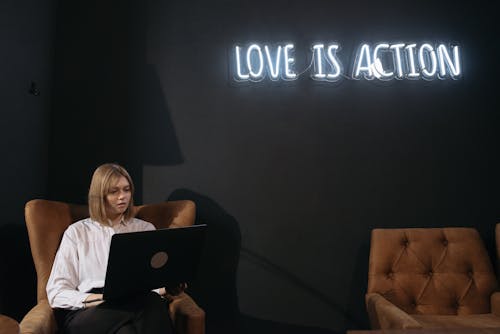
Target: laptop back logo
(159,260)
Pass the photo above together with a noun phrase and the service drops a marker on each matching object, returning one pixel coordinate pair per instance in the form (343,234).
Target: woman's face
(118,198)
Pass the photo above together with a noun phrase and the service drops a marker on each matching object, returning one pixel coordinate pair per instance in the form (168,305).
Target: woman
(74,288)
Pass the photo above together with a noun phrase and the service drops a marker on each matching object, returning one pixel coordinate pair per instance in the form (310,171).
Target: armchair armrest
(187,316)
(385,315)
(39,320)
(495,303)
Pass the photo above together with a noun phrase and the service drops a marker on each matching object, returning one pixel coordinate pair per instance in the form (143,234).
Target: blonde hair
(102,180)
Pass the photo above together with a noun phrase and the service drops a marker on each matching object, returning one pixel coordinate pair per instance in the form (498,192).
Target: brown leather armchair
(431,277)
(46,222)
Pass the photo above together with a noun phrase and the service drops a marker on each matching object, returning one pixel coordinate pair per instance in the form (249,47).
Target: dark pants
(147,314)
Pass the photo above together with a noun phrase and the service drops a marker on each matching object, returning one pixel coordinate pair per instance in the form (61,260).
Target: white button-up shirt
(82,258)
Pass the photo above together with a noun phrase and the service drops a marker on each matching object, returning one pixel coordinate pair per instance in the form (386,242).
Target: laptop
(142,261)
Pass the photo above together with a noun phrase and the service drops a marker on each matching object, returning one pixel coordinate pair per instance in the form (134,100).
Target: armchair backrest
(46,222)
(444,271)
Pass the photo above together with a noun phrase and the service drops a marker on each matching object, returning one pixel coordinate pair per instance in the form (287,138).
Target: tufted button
(430,273)
(445,242)
(405,242)
(470,273)
(413,304)
(390,274)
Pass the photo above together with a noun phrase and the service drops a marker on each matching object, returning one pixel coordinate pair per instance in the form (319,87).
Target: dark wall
(26,65)
(26,36)
(301,172)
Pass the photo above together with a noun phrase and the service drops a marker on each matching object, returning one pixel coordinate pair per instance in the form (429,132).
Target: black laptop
(142,261)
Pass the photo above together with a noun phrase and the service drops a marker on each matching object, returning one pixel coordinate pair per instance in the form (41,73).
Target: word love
(381,61)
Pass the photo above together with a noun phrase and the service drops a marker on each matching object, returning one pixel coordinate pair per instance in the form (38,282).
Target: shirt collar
(122,222)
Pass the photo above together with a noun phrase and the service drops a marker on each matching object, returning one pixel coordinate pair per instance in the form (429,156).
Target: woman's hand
(93,300)
(173,291)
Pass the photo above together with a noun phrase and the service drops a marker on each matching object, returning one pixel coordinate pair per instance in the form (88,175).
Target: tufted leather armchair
(46,222)
(431,277)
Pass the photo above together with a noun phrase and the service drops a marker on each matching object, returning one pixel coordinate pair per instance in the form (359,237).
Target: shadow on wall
(138,93)
(215,288)
(118,111)
(156,143)
(351,319)
(17,272)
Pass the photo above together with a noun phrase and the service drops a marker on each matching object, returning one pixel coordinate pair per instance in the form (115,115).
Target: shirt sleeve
(63,281)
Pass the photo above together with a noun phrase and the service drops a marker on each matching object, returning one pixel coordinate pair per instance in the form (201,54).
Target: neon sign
(382,61)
